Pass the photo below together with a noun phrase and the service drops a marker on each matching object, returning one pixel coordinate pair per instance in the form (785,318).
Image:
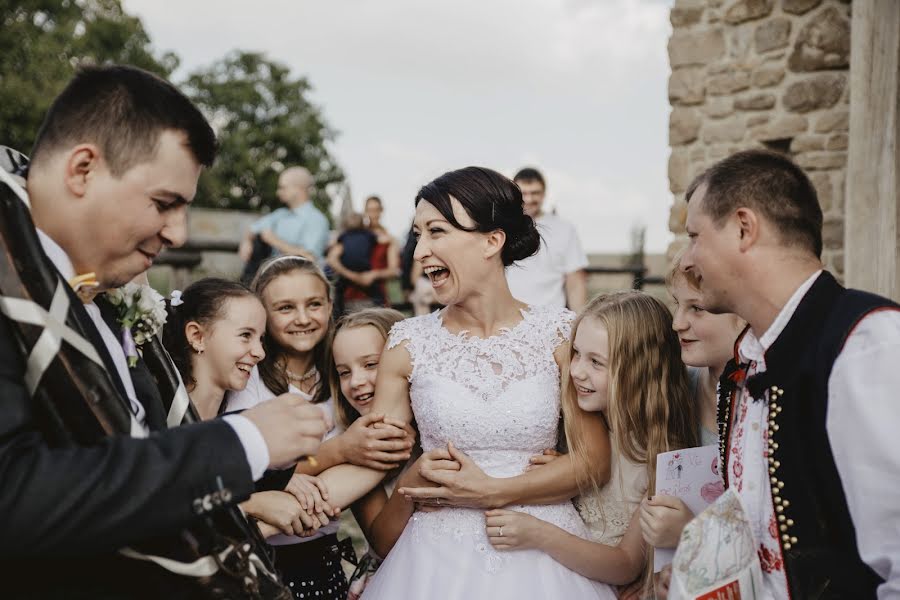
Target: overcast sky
(415,88)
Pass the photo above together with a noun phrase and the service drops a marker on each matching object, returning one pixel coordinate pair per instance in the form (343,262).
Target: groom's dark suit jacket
(65,511)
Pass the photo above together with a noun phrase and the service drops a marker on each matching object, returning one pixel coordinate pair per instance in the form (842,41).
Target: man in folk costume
(808,410)
(113,170)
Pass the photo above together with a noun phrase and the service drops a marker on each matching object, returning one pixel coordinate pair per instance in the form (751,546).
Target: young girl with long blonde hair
(625,365)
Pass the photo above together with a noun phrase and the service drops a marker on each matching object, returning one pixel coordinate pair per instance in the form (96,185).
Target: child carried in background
(351,259)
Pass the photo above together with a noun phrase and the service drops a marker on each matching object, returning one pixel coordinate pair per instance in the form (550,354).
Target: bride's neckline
(502,332)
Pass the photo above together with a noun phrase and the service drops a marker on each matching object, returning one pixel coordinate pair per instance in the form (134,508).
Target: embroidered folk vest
(816,532)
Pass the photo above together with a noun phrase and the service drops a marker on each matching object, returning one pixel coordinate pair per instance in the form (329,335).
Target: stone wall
(762,73)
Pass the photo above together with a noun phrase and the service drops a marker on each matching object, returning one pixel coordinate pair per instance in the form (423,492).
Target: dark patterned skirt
(312,570)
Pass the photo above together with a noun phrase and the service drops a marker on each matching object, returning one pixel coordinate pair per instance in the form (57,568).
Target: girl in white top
(297,299)
(625,365)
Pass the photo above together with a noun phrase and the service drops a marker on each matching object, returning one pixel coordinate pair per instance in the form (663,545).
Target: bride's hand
(511,530)
(461,482)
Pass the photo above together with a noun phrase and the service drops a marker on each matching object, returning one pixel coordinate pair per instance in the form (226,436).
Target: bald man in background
(298,228)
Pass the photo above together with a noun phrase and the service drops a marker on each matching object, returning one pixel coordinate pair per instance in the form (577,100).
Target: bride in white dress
(482,374)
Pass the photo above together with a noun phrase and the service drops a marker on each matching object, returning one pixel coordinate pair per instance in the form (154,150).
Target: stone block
(686,13)
(767,76)
(833,233)
(747,10)
(821,161)
(684,124)
(757,120)
(677,216)
(835,120)
(798,7)
(837,141)
(679,171)
(823,43)
(696,48)
(719,107)
(755,101)
(726,130)
(719,152)
(807,142)
(730,82)
(839,181)
(836,264)
(687,86)
(773,34)
(824,189)
(815,92)
(784,126)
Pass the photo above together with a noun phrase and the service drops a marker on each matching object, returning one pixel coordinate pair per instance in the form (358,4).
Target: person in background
(298,228)
(554,276)
(350,258)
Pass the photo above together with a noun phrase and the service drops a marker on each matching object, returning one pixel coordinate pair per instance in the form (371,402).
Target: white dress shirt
(540,280)
(863,426)
(249,435)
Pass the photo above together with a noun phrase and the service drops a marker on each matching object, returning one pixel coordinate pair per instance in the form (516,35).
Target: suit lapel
(97,341)
(144,385)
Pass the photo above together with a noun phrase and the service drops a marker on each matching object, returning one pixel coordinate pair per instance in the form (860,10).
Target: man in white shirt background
(810,409)
(554,276)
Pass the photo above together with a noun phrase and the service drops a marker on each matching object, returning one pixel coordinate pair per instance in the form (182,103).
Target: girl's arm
(615,565)
(467,485)
(348,483)
(383,447)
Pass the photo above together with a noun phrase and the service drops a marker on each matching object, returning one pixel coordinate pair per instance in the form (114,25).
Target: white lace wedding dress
(497,400)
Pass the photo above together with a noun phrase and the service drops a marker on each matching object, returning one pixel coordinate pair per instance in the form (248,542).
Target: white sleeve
(574,258)
(863,425)
(254,444)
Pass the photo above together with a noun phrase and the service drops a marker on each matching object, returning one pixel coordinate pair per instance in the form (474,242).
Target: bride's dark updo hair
(492,201)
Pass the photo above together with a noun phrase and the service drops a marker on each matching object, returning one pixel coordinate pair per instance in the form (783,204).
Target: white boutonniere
(141,312)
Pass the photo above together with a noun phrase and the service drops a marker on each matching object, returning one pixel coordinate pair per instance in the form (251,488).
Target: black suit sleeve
(78,500)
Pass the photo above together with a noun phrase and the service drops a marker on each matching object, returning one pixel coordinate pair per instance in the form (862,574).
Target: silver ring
(437,501)
(500,533)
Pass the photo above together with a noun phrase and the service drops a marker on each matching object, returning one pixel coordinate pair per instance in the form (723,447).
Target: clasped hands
(301,509)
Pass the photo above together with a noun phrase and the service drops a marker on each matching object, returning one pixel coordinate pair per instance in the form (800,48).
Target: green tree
(264,123)
(42,43)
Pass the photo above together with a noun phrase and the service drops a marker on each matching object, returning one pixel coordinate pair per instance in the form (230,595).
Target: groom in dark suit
(113,170)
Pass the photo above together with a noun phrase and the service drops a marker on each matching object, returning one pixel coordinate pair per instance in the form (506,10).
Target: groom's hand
(461,482)
(291,426)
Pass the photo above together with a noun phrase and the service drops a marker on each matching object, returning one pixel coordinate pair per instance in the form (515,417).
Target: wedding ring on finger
(500,532)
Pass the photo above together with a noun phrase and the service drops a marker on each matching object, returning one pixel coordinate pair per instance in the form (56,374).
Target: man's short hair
(123,110)
(770,184)
(530,174)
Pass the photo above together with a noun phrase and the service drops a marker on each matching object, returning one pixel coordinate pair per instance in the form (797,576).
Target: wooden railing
(188,257)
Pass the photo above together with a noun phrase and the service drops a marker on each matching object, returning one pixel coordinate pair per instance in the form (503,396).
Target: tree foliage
(44,41)
(264,123)
(260,112)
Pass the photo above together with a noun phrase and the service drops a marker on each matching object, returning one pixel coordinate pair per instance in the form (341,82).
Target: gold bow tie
(86,287)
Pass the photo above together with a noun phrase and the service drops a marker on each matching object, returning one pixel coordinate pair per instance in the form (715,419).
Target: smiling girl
(359,340)
(707,344)
(626,366)
(298,302)
(214,334)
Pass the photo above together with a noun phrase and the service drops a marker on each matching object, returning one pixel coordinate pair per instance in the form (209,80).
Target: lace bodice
(496,399)
(608,513)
